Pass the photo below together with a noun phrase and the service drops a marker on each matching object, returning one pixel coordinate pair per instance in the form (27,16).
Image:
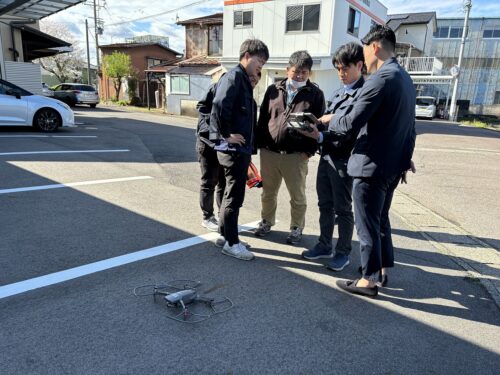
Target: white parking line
(58,152)
(88,269)
(71,184)
(48,136)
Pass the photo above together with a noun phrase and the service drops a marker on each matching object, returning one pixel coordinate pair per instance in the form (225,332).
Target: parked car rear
(76,93)
(425,107)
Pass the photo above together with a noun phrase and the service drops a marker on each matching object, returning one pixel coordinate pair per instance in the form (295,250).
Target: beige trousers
(292,168)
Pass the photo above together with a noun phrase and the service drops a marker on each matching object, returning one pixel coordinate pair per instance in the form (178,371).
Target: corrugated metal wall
(25,75)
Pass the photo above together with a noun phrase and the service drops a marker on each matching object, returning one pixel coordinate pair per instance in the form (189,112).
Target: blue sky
(114,12)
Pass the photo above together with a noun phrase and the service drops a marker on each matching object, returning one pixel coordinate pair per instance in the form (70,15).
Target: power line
(160,14)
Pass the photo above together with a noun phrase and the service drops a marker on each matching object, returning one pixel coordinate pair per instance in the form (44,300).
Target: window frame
(242,25)
(180,92)
(493,31)
(460,32)
(302,19)
(356,11)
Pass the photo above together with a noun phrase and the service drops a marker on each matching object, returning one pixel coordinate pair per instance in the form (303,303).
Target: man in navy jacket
(233,116)
(384,115)
(333,183)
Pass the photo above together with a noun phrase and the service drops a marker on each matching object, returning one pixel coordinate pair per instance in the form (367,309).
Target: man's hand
(314,133)
(325,119)
(235,139)
(412,169)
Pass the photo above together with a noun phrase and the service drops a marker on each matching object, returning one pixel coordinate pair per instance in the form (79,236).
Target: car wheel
(92,105)
(47,120)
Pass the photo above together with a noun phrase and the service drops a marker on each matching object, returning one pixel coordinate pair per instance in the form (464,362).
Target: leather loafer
(350,286)
(384,281)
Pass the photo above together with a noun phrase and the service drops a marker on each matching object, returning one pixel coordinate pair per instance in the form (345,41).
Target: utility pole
(453,105)
(88,49)
(96,31)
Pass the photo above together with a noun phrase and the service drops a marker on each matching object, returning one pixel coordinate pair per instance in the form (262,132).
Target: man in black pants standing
(233,114)
(333,184)
(383,115)
(212,174)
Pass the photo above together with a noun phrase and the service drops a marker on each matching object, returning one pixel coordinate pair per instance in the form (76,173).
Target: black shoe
(384,281)
(350,286)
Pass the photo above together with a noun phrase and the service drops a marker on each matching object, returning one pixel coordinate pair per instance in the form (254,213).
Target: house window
(353,21)
(492,33)
(497,98)
(367,2)
(215,40)
(153,62)
(179,84)
(302,17)
(442,32)
(243,18)
(456,32)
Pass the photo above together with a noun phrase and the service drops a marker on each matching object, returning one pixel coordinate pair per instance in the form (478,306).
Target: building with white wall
(319,27)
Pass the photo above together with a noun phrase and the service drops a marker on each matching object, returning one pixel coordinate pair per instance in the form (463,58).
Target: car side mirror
(14,93)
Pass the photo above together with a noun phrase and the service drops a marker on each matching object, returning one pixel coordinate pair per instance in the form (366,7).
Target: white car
(19,107)
(425,107)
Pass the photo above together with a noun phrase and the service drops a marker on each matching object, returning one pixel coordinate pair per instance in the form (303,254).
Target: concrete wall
(198,87)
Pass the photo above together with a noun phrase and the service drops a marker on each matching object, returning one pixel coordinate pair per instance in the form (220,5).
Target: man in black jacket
(284,152)
(212,174)
(233,115)
(333,184)
(383,114)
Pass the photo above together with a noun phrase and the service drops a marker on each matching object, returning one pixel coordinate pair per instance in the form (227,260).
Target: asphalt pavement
(136,194)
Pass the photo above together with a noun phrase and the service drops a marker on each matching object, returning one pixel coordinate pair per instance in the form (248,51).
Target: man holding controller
(383,115)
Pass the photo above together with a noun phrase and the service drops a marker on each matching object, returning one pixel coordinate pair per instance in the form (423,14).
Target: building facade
(188,81)
(319,27)
(143,56)
(479,80)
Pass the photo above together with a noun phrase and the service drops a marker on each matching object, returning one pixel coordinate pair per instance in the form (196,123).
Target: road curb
(479,259)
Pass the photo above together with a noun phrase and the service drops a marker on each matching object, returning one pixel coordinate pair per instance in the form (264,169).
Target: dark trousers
(212,178)
(334,188)
(372,201)
(235,166)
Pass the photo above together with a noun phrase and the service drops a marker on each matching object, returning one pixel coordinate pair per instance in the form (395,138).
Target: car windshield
(8,88)
(425,101)
(86,88)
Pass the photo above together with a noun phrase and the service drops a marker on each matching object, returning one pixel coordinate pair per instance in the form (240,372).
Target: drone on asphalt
(184,302)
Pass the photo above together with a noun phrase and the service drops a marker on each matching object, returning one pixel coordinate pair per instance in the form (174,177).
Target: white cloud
(115,12)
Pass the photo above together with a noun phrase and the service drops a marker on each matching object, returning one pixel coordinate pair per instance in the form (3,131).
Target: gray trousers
(334,188)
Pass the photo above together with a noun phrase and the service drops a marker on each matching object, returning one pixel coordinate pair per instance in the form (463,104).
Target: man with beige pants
(284,152)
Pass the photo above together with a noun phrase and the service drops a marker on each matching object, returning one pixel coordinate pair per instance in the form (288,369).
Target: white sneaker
(238,251)
(221,241)
(211,224)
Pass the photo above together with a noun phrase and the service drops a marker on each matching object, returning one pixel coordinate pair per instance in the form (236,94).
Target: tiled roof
(211,19)
(200,60)
(396,20)
(137,45)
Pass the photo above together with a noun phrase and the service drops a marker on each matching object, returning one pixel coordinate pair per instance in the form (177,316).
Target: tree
(66,66)
(117,66)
